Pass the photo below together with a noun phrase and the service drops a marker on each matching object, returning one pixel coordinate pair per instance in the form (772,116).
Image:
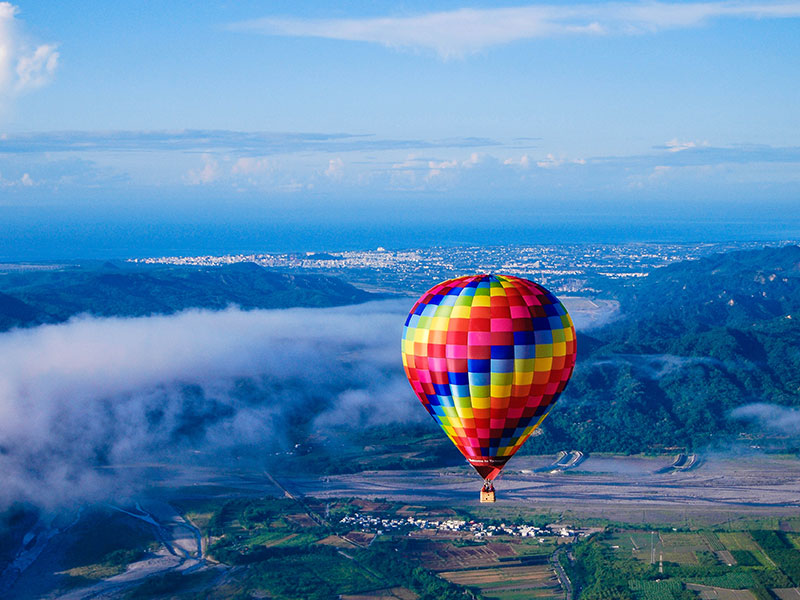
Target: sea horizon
(120,241)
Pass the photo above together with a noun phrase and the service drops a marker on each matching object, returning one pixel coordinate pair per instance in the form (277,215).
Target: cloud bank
(91,393)
(244,143)
(66,169)
(235,161)
(457,33)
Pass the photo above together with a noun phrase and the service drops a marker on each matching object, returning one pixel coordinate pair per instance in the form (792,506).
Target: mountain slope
(30,298)
(699,340)
(733,289)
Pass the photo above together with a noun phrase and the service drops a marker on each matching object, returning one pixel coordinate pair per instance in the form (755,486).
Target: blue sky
(262,111)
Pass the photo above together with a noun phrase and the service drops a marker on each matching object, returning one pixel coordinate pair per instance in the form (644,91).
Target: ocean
(112,238)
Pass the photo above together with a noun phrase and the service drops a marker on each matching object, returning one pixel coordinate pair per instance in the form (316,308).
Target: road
(563,578)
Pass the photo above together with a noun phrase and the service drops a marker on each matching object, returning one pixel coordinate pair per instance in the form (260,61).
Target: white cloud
(435,168)
(524,161)
(23,66)
(335,168)
(473,160)
(655,177)
(37,69)
(210,172)
(674,145)
(415,173)
(660,171)
(551,161)
(249,165)
(403,175)
(442,164)
(411,162)
(24,180)
(460,32)
(261,173)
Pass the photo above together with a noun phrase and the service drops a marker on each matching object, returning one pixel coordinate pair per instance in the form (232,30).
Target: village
(382,525)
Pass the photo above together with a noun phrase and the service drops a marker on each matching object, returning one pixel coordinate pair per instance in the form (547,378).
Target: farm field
(713,593)
(509,583)
(741,542)
(674,547)
(667,564)
(443,555)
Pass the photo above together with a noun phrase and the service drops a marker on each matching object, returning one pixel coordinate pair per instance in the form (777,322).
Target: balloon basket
(487,493)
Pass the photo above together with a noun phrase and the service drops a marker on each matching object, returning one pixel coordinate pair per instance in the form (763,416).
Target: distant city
(562,268)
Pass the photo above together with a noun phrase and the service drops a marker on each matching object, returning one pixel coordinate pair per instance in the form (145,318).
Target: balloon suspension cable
(488,485)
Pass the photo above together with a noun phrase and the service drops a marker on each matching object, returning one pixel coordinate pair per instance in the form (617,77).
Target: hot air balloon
(488,356)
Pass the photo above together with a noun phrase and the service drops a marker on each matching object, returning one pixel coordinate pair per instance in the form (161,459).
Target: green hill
(35,297)
(735,289)
(698,339)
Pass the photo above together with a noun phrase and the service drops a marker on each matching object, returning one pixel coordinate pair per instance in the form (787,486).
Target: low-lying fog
(98,391)
(114,391)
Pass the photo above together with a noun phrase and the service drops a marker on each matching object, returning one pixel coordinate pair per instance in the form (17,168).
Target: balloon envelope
(488,355)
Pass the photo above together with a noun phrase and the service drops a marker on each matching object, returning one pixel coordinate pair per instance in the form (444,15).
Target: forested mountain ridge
(697,340)
(34,297)
(734,289)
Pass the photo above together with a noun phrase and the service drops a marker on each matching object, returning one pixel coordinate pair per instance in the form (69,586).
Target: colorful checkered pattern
(488,355)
